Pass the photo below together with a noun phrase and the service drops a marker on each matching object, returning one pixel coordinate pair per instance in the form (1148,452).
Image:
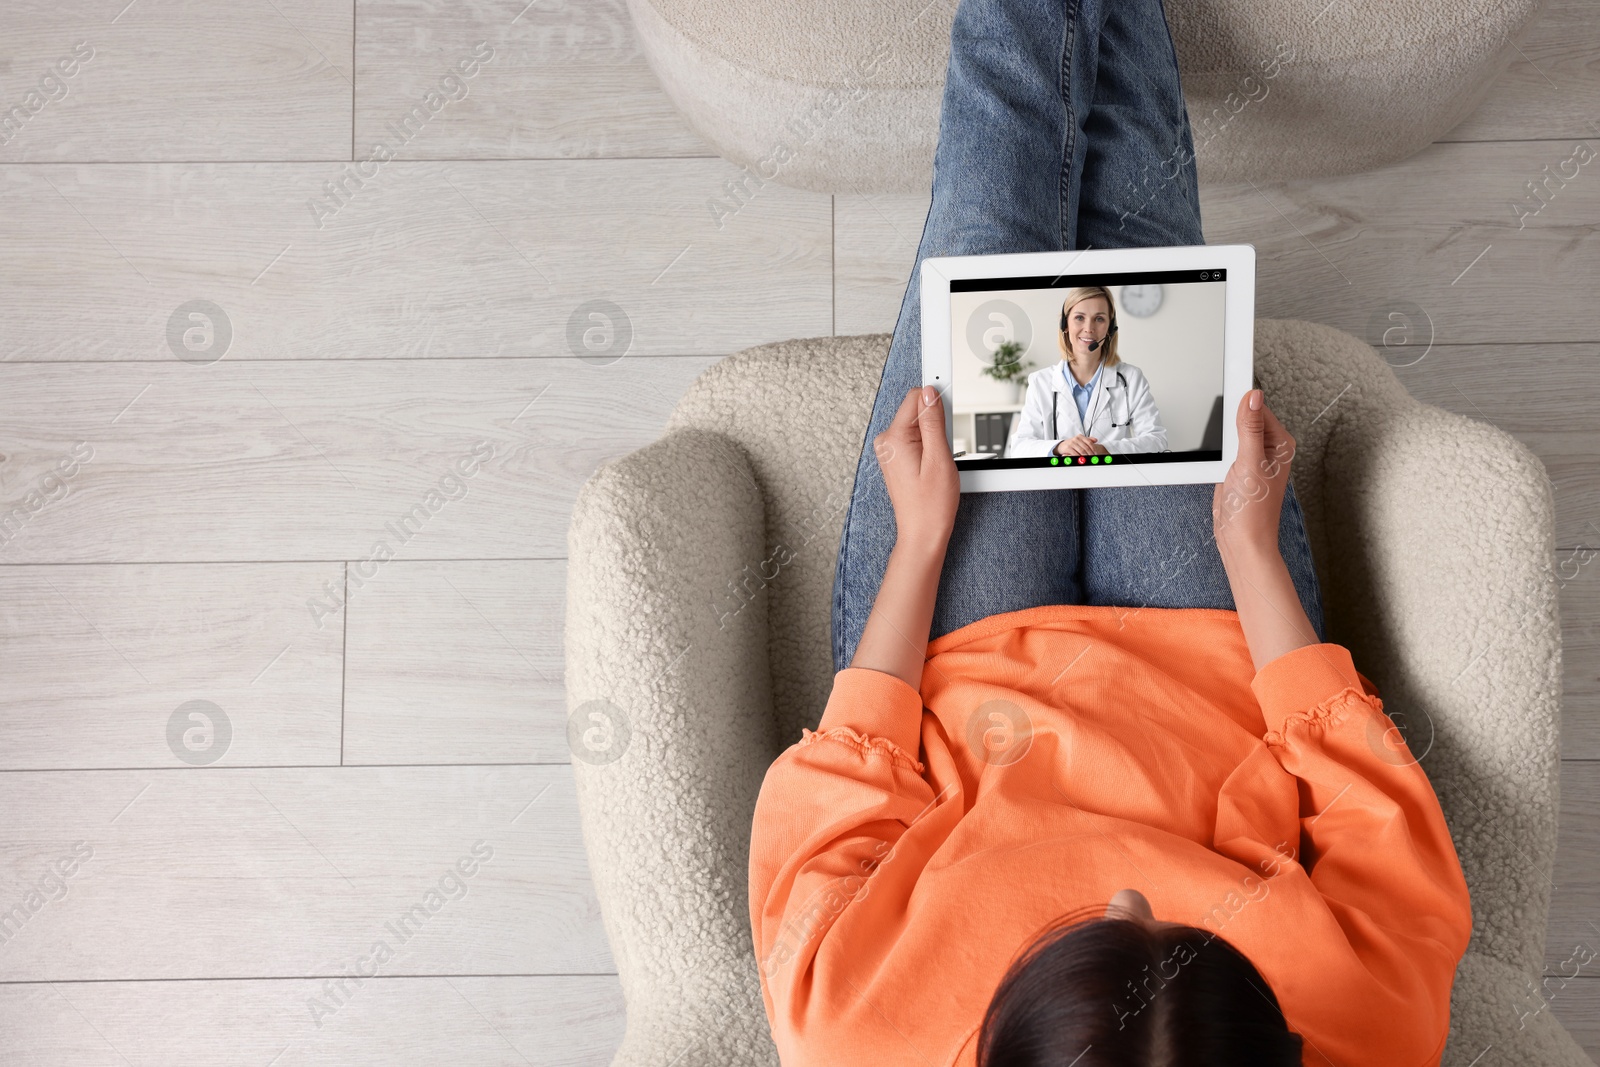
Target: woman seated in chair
(1129,806)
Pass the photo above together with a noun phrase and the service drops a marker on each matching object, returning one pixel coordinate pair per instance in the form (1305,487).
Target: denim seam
(839,576)
(1068,224)
(1316,583)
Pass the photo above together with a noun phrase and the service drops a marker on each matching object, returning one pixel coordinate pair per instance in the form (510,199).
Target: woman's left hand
(919,471)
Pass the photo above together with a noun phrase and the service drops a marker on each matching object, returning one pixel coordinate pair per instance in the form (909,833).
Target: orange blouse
(908,849)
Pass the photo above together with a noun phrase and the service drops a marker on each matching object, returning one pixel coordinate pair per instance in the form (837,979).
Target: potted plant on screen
(1007,367)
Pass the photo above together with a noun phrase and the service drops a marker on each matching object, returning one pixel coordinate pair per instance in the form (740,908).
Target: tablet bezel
(1238,357)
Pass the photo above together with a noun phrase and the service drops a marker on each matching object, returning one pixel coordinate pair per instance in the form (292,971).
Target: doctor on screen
(1091,402)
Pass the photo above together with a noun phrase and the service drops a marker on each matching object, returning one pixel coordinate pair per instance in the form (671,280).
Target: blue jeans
(1063,127)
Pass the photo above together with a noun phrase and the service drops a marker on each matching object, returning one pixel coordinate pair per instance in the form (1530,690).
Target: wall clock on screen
(1141,301)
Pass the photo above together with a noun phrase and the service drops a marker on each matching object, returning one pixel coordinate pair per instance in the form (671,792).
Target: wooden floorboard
(459,662)
(1575,891)
(555,81)
(99,662)
(440,260)
(1436,231)
(288,873)
(545,1021)
(1551,88)
(298,460)
(179,80)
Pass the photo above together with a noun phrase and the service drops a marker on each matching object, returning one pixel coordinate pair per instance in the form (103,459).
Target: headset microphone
(1092,344)
(1096,344)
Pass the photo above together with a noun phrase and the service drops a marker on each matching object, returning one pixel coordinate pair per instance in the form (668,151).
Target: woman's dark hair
(1113,992)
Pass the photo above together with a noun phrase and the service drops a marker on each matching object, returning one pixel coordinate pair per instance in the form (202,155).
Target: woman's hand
(925,488)
(919,472)
(1081,445)
(1247,504)
(1245,511)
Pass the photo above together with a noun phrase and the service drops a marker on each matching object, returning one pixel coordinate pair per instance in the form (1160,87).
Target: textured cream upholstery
(843,97)
(699,585)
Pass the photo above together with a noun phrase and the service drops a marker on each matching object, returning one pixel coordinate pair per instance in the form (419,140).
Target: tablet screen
(1136,375)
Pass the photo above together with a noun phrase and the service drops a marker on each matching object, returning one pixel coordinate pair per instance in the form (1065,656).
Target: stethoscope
(1122,384)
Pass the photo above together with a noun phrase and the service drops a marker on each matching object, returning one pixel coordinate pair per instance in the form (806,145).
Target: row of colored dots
(1058,460)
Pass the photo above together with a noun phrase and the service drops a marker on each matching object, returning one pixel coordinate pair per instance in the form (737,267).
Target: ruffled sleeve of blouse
(1375,846)
(830,811)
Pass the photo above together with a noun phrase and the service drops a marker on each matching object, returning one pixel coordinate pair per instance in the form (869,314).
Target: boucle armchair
(697,647)
(843,97)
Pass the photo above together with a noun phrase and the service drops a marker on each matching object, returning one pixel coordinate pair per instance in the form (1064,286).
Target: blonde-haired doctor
(1092,402)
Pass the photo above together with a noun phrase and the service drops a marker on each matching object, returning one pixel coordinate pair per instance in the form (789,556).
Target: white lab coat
(1122,413)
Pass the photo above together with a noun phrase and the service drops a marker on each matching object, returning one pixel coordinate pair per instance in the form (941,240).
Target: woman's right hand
(1247,504)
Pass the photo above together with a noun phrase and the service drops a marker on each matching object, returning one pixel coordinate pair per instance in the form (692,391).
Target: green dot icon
(1094,459)
(1055,461)
(1108,459)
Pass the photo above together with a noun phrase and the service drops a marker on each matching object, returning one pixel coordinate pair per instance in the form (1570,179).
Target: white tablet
(1120,366)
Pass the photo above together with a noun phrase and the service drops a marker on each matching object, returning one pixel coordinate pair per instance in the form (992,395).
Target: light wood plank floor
(385,726)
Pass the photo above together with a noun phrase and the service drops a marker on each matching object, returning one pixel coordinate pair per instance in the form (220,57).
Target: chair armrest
(666,627)
(1436,556)
(1494,1005)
